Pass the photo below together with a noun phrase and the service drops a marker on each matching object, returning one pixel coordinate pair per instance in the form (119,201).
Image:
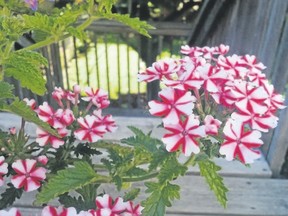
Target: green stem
(140,178)
(190,160)
(40,44)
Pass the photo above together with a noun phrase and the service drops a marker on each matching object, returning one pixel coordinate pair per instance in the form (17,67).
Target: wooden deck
(252,190)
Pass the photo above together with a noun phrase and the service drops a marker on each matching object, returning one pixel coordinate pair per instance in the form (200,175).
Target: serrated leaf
(20,108)
(106,5)
(170,170)
(6,90)
(9,196)
(80,34)
(136,171)
(209,169)
(78,203)
(69,179)
(131,195)
(25,66)
(135,23)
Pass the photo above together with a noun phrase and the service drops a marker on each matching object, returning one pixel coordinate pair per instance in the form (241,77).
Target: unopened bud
(12,130)
(76,89)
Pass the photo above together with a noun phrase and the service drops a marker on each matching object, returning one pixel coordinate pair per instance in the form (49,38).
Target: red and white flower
(240,143)
(211,125)
(106,206)
(107,121)
(3,169)
(160,69)
(47,114)
(89,129)
(42,159)
(183,136)
(45,138)
(28,175)
(60,211)
(31,103)
(175,103)
(249,98)
(11,212)
(132,210)
(98,97)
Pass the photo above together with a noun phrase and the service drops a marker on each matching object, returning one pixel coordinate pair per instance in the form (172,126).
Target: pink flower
(159,69)
(45,138)
(256,121)
(27,175)
(249,98)
(60,211)
(47,114)
(107,121)
(132,210)
(11,212)
(13,130)
(175,103)
(3,170)
(183,136)
(106,206)
(240,143)
(253,65)
(31,103)
(42,159)
(99,97)
(89,129)
(33,4)
(58,95)
(66,116)
(211,125)
(212,77)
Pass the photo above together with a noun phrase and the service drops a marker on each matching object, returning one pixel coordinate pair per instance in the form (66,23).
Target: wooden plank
(246,196)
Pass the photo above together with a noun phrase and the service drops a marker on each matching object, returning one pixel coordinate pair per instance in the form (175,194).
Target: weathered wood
(254,197)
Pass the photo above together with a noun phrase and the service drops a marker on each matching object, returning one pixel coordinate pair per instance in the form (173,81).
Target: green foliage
(136,24)
(163,192)
(6,91)
(66,180)
(20,108)
(209,169)
(78,203)
(106,5)
(131,195)
(9,196)
(25,66)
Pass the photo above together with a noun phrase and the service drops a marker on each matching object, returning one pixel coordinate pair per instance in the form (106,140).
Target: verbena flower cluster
(208,93)
(70,123)
(105,206)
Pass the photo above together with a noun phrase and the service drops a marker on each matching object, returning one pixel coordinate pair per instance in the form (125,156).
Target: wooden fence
(258,27)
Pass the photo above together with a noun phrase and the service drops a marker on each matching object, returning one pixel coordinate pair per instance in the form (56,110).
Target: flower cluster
(207,83)
(105,207)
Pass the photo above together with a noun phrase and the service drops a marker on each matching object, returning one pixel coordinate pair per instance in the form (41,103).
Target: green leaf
(170,170)
(106,5)
(78,33)
(78,203)
(69,179)
(6,90)
(209,169)
(135,23)
(20,108)
(9,196)
(131,195)
(25,66)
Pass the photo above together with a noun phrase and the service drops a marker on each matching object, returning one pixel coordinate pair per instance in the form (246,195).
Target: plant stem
(140,178)
(40,44)
(190,160)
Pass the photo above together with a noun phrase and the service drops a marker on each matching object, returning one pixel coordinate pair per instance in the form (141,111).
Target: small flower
(175,103)
(132,210)
(106,206)
(89,129)
(211,125)
(45,138)
(31,103)
(60,211)
(33,4)
(183,135)
(240,143)
(27,175)
(99,97)
(3,169)
(47,114)
(42,159)
(11,212)
(13,130)
(107,121)
(58,95)
(159,69)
